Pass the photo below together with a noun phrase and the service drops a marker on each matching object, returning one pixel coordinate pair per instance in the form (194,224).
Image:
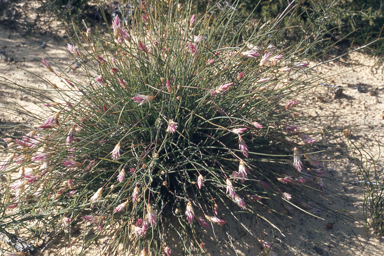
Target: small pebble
(359,89)
(331,169)
(43,45)
(320,251)
(347,133)
(10,59)
(338,92)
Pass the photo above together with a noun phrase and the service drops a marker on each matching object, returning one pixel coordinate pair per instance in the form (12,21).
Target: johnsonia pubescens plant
(164,127)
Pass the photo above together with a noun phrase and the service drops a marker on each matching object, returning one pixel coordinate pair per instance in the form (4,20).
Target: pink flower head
(271,47)
(287,196)
(140,227)
(238,130)
(235,175)
(192,48)
(41,157)
(296,160)
(47,65)
(167,251)
(251,54)
(31,178)
(291,104)
(215,220)
(121,175)
(242,169)
(89,218)
(200,181)
(301,180)
(306,138)
(97,195)
(72,163)
(301,65)
(99,79)
(265,244)
(71,48)
(22,144)
(115,70)
(216,209)
(265,184)
(89,166)
(230,188)
(116,151)
(221,88)
(197,39)
(116,22)
(143,47)
(168,85)
(192,21)
(240,76)
(257,125)
(285,180)
(202,221)
(101,59)
(51,121)
(239,201)
(291,128)
(70,184)
(243,147)
(210,61)
(189,213)
(145,18)
(121,207)
(124,34)
(8,140)
(11,206)
(172,126)
(155,43)
(141,99)
(285,69)
(66,221)
(123,83)
(70,135)
(254,197)
(265,59)
(275,59)
(151,215)
(135,193)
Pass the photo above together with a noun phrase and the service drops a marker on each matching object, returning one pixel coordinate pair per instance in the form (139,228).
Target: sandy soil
(304,235)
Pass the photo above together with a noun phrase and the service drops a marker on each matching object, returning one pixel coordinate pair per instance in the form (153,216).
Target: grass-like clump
(166,125)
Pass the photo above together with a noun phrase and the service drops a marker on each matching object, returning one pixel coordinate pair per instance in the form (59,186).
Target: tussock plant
(164,125)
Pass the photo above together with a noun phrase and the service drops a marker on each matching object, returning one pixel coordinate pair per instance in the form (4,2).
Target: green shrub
(172,125)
